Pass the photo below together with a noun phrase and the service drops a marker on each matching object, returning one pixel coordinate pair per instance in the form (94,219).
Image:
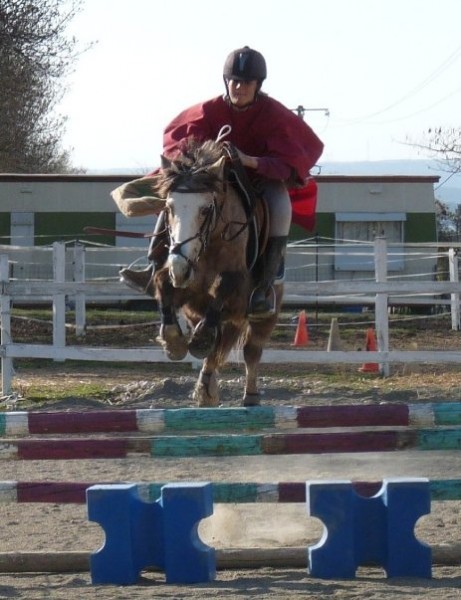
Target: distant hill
(448,189)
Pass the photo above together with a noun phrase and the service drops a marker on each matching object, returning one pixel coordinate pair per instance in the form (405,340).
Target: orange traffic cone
(371,347)
(301,335)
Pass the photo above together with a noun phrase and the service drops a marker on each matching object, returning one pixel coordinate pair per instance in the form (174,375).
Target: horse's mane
(190,169)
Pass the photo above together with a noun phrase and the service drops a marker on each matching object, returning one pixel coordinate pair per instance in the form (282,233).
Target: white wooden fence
(81,291)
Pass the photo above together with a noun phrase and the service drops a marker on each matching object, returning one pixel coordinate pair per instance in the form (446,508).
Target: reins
(245,188)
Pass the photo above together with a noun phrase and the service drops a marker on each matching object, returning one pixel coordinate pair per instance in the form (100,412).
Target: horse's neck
(230,238)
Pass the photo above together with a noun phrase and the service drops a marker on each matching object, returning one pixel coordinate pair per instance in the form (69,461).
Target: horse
(210,269)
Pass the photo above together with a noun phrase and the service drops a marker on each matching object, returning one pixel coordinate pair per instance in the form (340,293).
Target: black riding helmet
(245,64)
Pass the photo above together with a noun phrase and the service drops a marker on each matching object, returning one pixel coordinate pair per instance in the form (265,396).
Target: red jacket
(284,144)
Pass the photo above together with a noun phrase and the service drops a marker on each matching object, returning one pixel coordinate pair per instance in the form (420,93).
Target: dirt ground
(53,528)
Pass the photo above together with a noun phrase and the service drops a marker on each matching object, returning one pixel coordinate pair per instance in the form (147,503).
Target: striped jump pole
(170,446)
(72,492)
(424,415)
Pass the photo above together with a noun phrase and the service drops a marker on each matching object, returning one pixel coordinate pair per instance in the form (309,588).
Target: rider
(277,148)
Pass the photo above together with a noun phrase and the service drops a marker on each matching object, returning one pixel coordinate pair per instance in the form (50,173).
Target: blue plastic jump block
(363,531)
(162,534)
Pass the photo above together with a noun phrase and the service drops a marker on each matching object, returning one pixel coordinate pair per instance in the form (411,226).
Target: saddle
(255,207)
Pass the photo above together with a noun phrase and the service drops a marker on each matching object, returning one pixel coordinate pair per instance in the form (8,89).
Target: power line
(453,57)
(422,110)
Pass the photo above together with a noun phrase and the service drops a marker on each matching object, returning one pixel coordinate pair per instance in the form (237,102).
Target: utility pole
(300,110)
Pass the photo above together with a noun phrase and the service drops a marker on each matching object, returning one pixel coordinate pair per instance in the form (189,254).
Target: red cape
(266,129)
(304,204)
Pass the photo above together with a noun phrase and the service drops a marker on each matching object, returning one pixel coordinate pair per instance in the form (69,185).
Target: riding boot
(262,300)
(142,280)
(138,280)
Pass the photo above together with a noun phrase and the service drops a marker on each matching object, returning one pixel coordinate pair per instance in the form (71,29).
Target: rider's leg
(279,204)
(157,255)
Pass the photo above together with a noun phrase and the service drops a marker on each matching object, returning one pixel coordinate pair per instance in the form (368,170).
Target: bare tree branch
(442,144)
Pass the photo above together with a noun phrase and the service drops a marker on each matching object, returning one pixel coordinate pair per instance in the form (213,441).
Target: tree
(35,57)
(448,222)
(443,144)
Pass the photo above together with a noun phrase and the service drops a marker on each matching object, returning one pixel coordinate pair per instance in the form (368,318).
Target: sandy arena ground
(53,528)
(49,527)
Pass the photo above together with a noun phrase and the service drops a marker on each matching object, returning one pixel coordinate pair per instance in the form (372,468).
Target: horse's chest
(226,257)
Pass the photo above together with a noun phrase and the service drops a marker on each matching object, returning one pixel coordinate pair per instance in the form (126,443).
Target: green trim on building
(53,227)
(5,228)
(420,227)
(324,227)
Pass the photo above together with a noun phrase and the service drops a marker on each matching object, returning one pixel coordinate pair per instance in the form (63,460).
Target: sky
(373,74)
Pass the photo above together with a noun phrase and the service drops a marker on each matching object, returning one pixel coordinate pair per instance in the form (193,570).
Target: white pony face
(191,219)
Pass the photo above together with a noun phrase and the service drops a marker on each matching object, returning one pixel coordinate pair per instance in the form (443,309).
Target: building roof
(57,177)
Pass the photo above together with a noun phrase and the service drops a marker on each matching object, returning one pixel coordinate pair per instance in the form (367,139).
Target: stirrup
(262,304)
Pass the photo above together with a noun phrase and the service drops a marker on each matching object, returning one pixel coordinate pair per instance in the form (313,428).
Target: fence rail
(59,291)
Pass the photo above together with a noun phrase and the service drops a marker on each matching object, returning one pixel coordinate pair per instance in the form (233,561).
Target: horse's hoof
(251,399)
(207,401)
(173,342)
(203,340)
(206,392)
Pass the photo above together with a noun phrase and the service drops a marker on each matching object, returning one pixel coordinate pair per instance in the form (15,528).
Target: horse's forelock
(189,169)
(201,154)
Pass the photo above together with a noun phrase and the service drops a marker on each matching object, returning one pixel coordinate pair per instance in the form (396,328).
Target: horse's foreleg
(257,337)
(206,391)
(228,292)
(205,334)
(252,353)
(170,336)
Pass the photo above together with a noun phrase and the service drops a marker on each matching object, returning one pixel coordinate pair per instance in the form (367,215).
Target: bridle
(207,227)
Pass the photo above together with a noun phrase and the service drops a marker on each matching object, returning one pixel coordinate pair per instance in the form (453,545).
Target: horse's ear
(218,167)
(165,162)
(137,198)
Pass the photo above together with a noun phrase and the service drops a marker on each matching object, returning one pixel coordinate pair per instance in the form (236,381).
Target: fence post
(5,324)
(59,298)
(454,277)
(79,276)
(381,301)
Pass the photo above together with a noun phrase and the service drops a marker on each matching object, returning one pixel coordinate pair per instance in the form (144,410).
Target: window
(22,228)
(352,229)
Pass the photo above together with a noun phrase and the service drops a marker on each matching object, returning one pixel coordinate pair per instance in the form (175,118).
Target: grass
(41,381)
(37,393)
